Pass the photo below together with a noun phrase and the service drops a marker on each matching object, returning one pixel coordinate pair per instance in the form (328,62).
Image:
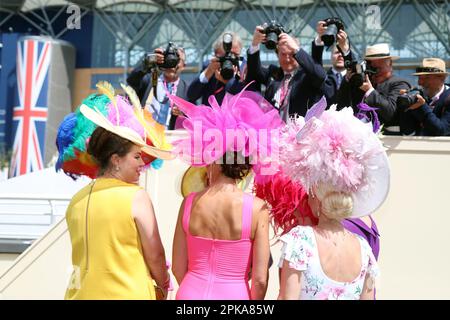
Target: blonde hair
(334,204)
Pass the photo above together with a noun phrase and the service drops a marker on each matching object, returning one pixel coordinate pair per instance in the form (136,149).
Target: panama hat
(379,51)
(431,66)
(127,133)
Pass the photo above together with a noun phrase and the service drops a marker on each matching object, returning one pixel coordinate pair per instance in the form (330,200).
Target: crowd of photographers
(368,85)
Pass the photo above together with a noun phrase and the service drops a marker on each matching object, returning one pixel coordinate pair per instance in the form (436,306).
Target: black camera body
(171,58)
(334,25)
(360,69)
(409,98)
(229,60)
(272,31)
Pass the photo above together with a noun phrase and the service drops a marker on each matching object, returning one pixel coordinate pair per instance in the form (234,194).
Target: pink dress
(217,269)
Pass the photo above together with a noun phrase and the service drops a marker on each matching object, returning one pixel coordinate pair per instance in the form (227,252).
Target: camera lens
(227,70)
(227,41)
(170,60)
(357,80)
(329,36)
(271,40)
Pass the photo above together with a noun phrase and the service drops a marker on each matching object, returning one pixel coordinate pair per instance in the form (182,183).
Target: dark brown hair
(235,165)
(103,144)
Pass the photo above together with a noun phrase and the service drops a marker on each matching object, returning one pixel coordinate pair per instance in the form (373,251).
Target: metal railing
(23,211)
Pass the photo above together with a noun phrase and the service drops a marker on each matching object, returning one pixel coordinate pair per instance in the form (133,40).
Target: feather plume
(104,87)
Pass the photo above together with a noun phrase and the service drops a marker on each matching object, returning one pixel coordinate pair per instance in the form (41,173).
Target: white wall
(6,260)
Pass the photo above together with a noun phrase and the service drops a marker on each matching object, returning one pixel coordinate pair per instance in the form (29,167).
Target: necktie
(284,89)
(284,103)
(338,79)
(165,106)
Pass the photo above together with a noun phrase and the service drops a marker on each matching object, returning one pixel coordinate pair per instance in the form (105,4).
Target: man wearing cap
(429,115)
(379,91)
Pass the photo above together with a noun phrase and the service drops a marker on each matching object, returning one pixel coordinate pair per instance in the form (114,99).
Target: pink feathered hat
(245,123)
(336,148)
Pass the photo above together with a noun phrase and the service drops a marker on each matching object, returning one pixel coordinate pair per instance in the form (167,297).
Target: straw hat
(431,66)
(195,179)
(379,51)
(127,133)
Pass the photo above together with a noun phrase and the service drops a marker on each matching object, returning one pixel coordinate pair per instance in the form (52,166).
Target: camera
(409,98)
(360,69)
(334,25)
(272,32)
(171,58)
(229,60)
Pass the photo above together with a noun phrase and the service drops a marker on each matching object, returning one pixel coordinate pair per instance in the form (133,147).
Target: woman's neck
(329,224)
(223,182)
(109,175)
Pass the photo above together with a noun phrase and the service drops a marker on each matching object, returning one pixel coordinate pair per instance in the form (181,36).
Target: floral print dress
(300,250)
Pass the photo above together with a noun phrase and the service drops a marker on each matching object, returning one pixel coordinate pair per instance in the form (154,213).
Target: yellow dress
(107,254)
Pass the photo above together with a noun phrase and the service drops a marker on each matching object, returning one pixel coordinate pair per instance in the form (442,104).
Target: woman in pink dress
(221,239)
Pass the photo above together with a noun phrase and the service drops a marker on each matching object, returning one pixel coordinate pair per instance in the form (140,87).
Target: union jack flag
(30,117)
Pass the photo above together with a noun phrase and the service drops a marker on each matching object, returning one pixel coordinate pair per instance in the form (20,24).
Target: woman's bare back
(218,214)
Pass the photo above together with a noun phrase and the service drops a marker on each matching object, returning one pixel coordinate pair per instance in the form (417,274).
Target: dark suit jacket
(140,81)
(214,87)
(425,121)
(305,86)
(384,97)
(330,85)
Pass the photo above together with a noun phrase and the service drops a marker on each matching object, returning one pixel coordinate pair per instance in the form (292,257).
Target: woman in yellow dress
(116,247)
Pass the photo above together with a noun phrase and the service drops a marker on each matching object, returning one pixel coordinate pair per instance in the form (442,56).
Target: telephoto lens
(226,62)
(329,36)
(271,40)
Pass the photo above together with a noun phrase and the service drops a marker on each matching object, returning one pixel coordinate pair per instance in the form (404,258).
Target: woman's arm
(179,251)
(261,254)
(290,283)
(368,292)
(144,217)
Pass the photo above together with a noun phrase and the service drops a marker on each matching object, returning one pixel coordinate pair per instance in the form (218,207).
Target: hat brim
(425,73)
(385,57)
(100,120)
(194,180)
(368,200)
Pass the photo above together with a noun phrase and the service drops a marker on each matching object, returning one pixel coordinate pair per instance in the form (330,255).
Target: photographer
(380,90)
(141,81)
(337,72)
(430,116)
(296,85)
(212,80)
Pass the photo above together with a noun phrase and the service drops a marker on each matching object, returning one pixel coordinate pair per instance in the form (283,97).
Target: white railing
(28,216)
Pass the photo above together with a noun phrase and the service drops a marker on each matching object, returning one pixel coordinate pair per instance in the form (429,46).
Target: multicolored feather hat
(115,114)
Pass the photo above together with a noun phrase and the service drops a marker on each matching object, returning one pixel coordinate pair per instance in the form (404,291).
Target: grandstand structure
(116,33)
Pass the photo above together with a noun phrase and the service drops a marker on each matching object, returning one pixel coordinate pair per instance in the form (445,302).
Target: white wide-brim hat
(129,134)
(368,200)
(379,51)
(431,66)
